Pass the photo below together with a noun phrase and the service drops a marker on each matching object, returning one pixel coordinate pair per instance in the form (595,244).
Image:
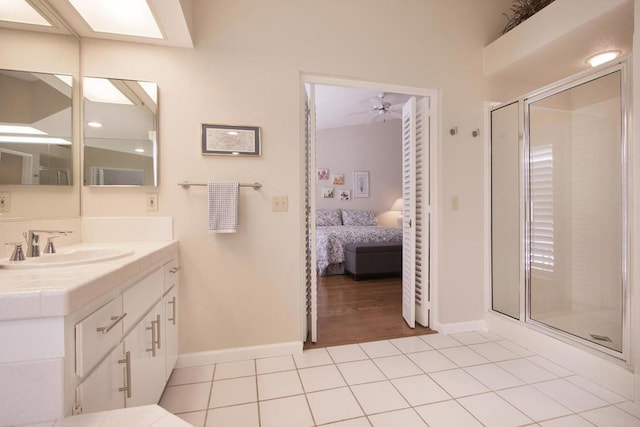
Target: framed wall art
(322,174)
(223,140)
(361,184)
(328,192)
(345,195)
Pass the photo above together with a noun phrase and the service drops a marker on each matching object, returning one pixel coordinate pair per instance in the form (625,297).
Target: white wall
(246,289)
(376,148)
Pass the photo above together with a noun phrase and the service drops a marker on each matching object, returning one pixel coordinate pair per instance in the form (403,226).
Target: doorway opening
(370,191)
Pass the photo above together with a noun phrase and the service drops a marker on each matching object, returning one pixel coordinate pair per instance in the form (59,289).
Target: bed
(337,227)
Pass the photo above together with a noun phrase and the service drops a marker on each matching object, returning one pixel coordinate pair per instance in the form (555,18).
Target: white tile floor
(468,379)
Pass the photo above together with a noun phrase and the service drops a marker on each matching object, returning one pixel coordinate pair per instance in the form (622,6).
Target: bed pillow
(350,217)
(327,217)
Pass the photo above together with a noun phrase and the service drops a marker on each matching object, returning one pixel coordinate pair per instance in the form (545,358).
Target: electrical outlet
(5,201)
(279,203)
(152,202)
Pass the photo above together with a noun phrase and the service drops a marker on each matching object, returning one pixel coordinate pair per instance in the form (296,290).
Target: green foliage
(522,10)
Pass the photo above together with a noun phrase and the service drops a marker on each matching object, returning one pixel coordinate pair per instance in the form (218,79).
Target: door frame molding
(435,160)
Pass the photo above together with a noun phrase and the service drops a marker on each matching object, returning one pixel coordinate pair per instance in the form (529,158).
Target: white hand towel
(223,207)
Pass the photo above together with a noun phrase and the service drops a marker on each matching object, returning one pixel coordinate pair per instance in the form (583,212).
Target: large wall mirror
(120,142)
(36,143)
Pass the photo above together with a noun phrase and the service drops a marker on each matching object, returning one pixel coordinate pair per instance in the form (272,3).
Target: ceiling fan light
(603,57)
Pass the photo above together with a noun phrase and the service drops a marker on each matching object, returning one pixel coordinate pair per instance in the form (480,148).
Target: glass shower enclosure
(558,198)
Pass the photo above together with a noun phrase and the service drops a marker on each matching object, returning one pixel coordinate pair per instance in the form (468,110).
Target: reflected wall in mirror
(36,128)
(120,143)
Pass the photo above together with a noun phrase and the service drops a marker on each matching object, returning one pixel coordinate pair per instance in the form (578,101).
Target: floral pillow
(326,217)
(350,217)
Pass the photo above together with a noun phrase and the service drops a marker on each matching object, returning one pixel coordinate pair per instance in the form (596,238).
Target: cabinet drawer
(97,334)
(139,298)
(172,274)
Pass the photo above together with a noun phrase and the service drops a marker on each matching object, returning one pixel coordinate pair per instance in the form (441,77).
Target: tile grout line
(206,412)
(255,369)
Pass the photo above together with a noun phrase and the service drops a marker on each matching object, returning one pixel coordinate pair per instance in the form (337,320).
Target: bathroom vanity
(90,336)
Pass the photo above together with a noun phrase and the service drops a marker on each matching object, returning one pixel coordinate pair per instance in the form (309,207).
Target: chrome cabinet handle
(174,270)
(173,311)
(158,331)
(127,362)
(116,319)
(153,338)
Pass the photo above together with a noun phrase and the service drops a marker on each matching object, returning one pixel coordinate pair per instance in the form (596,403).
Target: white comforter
(330,241)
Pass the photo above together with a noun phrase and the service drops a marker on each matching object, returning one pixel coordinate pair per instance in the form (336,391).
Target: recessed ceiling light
(102,90)
(33,140)
(139,150)
(24,130)
(22,12)
(603,57)
(94,124)
(128,17)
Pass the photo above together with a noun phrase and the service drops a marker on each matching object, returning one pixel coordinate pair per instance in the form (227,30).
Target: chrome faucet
(17,254)
(33,241)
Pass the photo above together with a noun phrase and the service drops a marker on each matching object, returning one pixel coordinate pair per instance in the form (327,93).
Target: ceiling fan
(382,110)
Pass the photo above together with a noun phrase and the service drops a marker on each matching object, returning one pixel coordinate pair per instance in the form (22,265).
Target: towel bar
(187,184)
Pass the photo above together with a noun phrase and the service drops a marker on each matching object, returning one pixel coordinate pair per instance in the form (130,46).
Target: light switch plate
(152,202)
(279,203)
(5,202)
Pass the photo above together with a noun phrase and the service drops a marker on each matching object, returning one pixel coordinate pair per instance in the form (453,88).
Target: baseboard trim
(458,327)
(240,353)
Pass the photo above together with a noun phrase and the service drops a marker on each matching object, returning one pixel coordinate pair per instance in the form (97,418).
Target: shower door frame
(623,66)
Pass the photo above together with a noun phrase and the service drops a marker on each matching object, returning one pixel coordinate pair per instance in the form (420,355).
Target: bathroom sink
(70,257)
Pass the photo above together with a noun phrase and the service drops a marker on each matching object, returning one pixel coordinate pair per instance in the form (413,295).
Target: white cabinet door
(146,345)
(171,328)
(103,389)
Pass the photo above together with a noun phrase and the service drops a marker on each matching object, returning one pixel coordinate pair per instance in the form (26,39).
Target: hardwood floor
(352,311)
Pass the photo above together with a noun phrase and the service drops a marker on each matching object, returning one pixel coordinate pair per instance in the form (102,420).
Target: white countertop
(58,291)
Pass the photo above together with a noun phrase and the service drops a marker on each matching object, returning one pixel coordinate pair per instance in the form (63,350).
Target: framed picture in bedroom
(322,174)
(223,140)
(345,195)
(361,184)
(328,192)
(337,179)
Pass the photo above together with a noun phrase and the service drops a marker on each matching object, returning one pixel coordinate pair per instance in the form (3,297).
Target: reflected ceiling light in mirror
(22,12)
(102,90)
(128,17)
(232,133)
(603,57)
(139,150)
(23,130)
(33,140)
(94,124)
